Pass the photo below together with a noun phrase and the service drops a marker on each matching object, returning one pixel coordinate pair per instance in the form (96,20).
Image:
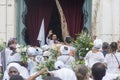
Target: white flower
(87,49)
(24,49)
(18,50)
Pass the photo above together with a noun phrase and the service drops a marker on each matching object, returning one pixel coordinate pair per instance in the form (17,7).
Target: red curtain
(36,11)
(39,9)
(74,15)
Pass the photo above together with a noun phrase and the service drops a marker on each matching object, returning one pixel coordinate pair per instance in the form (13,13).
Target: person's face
(13,71)
(54,37)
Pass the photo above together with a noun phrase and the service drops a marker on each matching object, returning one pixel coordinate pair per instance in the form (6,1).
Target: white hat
(64,49)
(97,43)
(31,51)
(59,65)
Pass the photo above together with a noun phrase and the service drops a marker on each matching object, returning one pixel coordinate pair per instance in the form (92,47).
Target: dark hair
(16,77)
(113,47)
(52,78)
(105,45)
(11,41)
(68,39)
(98,71)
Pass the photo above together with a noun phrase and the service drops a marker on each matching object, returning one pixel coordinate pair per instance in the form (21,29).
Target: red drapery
(36,11)
(39,9)
(74,15)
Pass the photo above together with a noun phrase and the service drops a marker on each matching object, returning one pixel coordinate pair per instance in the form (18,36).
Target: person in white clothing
(94,55)
(112,61)
(15,69)
(65,57)
(64,74)
(9,54)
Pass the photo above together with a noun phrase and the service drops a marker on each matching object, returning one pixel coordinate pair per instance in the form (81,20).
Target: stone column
(106,19)
(7,19)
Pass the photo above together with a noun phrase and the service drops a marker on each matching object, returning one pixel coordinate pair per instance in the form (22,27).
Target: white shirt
(112,64)
(11,58)
(66,59)
(92,58)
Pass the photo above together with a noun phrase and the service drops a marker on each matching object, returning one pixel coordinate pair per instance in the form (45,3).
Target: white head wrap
(64,49)
(59,65)
(16,65)
(22,70)
(97,43)
(38,51)
(31,51)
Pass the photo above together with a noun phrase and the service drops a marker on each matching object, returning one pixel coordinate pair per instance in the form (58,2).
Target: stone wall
(106,19)
(7,19)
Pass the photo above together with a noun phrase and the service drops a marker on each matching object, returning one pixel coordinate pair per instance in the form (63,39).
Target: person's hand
(43,71)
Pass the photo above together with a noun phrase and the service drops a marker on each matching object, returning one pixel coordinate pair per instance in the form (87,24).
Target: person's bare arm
(42,71)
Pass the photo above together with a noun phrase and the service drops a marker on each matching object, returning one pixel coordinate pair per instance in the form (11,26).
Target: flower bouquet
(22,49)
(83,44)
(49,64)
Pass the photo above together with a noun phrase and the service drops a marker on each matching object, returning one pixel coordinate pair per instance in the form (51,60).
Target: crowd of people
(101,63)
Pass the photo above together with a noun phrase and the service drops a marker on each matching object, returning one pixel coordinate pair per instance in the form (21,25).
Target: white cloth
(65,74)
(22,70)
(59,65)
(67,60)
(45,47)
(31,51)
(38,51)
(98,43)
(31,66)
(112,64)
(64,49)
(110,76)
(92,58)
(47,53)
(11,58)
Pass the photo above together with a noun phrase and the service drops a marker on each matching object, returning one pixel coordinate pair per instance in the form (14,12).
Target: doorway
(55,23)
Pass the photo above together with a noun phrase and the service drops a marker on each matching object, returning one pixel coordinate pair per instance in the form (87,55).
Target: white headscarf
(31,51)
(64,49)
(97,43)
(38,51)
(59,65)
(16,65)
(22,70)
